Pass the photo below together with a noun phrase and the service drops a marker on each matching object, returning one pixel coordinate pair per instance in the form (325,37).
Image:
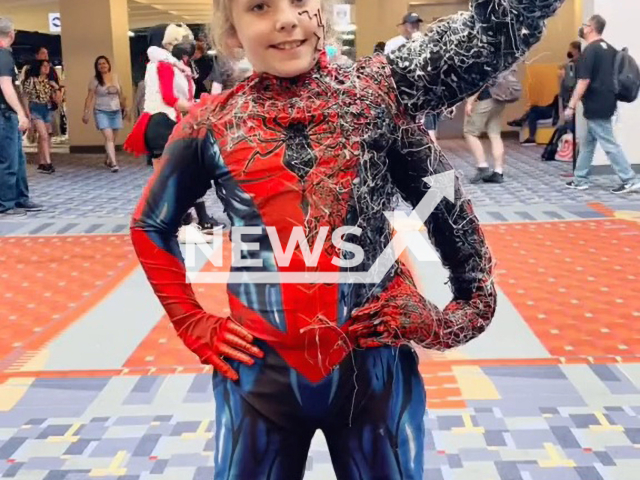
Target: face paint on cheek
(320,24)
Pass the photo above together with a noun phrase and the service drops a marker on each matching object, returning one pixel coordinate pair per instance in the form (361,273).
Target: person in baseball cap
(409,25)
(411,18)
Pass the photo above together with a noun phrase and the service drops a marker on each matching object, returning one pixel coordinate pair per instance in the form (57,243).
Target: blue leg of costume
(370,409)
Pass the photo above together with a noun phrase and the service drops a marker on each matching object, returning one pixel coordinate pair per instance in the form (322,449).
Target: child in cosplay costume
(307,144)
(169,93)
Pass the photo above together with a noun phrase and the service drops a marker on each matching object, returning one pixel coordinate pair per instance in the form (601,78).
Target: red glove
(211,338)
(398,321)
(412,318)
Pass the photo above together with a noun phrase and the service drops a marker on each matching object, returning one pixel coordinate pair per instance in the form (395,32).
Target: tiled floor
(94,383)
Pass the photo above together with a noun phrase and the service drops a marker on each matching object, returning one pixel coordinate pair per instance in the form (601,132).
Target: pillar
(90,29)
(621,31)
(376,21)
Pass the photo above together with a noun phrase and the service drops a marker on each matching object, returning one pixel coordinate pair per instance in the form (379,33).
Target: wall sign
(54,22)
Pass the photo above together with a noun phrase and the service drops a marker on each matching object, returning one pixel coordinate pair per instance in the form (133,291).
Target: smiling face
(279,37)
(103,66)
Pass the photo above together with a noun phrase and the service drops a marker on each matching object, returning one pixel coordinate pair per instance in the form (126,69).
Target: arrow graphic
(442,186)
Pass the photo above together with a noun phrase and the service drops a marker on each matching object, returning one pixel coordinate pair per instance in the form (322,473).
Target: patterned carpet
(94,383)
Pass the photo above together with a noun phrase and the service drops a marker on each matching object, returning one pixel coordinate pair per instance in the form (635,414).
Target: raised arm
(186,169)
(462,53)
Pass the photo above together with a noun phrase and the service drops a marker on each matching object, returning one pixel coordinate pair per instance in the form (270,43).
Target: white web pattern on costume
(426,75)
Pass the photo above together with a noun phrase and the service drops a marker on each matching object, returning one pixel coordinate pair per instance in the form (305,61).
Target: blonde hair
(222,25)
(175,33)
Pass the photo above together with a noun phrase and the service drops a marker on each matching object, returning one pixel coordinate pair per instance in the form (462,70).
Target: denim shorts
(108,119)
(431,121)
(40,111)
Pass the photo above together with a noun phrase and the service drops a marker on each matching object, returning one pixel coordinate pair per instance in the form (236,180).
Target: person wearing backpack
(483,113)
(552,111)
(596,88)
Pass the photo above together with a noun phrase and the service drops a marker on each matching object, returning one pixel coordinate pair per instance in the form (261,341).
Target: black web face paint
(321,25)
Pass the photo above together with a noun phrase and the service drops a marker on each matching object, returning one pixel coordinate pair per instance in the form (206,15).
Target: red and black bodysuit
(332,148)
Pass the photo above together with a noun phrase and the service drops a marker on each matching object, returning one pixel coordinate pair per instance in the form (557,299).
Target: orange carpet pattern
(575,283)
(50,282)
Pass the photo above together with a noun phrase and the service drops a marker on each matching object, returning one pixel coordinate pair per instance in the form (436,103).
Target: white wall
(622,31)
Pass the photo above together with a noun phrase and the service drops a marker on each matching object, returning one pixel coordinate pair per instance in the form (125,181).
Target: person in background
(109,106)
(567,74)
(532,116)
(595,71)
(14,187)
(54,106)
(202,65)
(40,92)
(409,27)
(483,113)
(555,110)
(169,94)
(379,47)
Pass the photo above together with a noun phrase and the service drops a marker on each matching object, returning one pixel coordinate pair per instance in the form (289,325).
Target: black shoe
(14,212)
(481,173)
(208,228)
(576,186)
(528,142)
(30,206)
(627,187)
(495,177)
(46,168)
(187,219)
(515,123)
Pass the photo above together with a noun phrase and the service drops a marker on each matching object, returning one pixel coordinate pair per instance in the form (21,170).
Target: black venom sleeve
(463,52)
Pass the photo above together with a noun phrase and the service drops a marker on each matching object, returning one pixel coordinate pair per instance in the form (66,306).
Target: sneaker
(529,142)
(46,168)
(576,186)
(495,177)
(193,234)
(14,212)
(209,228)
(481,173)
(30,206)
(627,187)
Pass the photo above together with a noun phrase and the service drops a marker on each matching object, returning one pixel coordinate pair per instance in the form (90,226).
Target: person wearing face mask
(595,89)
(567,76)
(169,94)
(567,73)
